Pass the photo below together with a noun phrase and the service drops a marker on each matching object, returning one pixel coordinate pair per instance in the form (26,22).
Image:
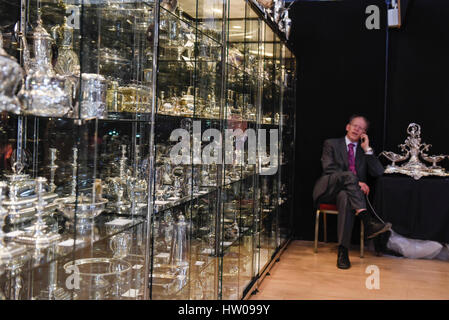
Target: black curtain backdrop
(418,79)
(342,71)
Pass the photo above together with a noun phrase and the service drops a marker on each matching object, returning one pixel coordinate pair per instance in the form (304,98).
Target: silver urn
(10,76)
(45,93)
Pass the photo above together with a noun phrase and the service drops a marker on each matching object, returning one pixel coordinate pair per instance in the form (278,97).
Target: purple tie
(351,158)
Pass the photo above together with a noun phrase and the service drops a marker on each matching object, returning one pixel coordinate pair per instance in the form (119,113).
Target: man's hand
(365,142)
(364,187)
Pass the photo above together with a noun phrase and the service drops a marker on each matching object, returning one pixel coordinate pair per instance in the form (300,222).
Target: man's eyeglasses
(358,127)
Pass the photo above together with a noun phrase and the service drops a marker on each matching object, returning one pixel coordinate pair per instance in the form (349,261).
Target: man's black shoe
(372,226)
(343,258)
(380,243)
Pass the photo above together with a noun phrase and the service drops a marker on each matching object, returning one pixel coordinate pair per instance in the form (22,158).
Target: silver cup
(120,244)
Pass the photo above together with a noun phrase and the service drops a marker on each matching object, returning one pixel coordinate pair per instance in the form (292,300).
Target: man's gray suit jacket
(335,159)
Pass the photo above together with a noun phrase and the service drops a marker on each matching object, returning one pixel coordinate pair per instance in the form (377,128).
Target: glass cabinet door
(277,109)
(267,182)
(287,156)
(251,82)
(239,200)
(187,182)
(38,165)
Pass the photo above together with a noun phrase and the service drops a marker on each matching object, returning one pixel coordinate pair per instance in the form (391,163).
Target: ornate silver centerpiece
(22,196)
(10,76)
(413,149)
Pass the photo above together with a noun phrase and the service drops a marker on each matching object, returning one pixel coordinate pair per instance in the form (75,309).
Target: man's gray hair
(360,116)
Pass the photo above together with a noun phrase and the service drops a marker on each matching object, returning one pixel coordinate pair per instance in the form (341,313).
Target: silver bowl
(83,207)
(101,278)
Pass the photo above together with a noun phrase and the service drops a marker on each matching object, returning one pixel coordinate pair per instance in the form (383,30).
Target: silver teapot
(44,93)
(10,76)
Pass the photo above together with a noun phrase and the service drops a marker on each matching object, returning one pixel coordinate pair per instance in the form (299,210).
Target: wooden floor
(302,275)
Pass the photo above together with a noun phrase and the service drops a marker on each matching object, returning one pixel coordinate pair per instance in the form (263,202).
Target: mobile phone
(363,139)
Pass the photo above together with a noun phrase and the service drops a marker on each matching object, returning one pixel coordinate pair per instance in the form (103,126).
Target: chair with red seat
(325,209)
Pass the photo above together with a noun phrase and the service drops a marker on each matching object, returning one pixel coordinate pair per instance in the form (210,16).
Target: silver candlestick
(74,166)
(138,157)
(123,163)
(7,252)
(39,237)
(53,292)
(15,284)
(13,196)
(85,209)
(178,252)
(53,166)
(120,204)
(118,185)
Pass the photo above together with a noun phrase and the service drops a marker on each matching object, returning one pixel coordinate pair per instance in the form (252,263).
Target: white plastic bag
(444,253)
(412,248)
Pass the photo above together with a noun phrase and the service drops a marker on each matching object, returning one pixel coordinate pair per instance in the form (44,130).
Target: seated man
(346,162)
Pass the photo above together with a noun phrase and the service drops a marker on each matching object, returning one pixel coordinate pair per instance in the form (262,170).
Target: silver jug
(278,8)
(45,93)
(94,89)
(67,63)
(288,25)
(120,244)
(10,76)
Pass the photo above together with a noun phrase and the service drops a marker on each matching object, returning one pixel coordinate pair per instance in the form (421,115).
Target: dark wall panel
(341,71)
(418,81)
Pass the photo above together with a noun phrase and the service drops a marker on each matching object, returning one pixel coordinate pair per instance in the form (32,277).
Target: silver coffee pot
(45,93)
(10,76)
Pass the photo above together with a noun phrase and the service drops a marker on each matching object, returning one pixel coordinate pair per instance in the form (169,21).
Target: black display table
(418,209)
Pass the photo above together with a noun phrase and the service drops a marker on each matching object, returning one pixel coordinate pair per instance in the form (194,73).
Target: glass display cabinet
(147,148)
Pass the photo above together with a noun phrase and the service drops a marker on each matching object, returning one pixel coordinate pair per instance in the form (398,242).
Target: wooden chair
(325,209)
